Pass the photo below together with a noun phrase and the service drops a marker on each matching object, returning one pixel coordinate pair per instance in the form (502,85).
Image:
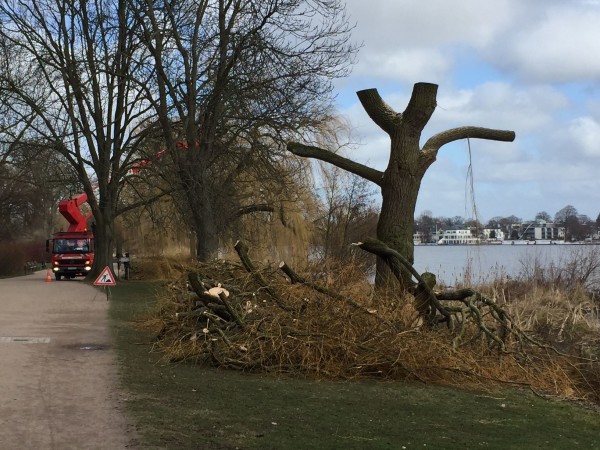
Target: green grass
(179,406)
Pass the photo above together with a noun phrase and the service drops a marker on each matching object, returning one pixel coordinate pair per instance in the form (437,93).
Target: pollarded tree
(408,162)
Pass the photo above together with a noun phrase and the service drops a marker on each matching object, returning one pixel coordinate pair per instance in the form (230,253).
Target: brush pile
(237,316)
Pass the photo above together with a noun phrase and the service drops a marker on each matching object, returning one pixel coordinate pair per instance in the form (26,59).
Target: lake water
(484,263)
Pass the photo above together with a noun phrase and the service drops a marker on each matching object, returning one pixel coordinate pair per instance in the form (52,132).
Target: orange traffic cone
(49,276)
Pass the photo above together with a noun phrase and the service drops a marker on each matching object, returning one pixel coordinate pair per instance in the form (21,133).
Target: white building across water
(457,236)
(467,236)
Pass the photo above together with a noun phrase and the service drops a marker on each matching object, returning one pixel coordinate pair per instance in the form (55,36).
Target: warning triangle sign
(105,278)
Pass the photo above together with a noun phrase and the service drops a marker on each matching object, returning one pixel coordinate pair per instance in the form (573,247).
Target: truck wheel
(57,276)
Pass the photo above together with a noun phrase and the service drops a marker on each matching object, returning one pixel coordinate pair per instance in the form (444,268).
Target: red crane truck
(72,250)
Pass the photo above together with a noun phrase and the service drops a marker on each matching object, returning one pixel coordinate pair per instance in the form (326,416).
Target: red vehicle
(72,250)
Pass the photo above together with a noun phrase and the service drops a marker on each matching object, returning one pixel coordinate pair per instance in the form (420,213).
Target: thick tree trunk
(207,243)
(103,244)
(205,226)
(402,178)
(395,225)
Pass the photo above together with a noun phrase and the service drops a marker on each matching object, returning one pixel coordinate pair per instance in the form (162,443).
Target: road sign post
(106,279)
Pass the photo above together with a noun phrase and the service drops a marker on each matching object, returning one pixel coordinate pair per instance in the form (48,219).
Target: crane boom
(70,210)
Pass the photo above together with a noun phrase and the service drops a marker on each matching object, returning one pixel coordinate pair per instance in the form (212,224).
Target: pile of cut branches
(238,316)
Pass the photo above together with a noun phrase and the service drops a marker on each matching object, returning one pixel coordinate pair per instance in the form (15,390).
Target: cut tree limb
(435,142)
(309,151)
(295,278)
(242,251)
(378,110)
(474,302)
(399,264)
(232,312)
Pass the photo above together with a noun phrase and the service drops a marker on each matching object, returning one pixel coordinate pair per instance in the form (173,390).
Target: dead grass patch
(158,267)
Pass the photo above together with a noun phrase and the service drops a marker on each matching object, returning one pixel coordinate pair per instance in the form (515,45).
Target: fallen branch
(295,278)
(398,264)
(232,311)
(218,304)
(242,251)
(428,301)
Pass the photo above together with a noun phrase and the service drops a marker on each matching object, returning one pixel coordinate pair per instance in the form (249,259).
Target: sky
(528,66)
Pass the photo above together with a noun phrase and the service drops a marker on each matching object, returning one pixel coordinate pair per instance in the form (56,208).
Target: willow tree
(408,162)
(234,80)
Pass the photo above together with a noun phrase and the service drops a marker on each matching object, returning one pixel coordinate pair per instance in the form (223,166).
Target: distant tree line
(577,226)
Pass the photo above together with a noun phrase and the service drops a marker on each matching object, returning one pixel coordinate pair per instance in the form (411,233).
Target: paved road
(58,375)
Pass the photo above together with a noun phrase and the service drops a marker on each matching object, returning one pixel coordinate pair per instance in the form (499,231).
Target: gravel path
(58,374)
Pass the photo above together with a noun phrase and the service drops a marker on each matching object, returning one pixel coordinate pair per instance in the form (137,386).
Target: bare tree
(543,215)
(568,217)
(566,212)
(408,162)
(66,71)
(346,212)
(49,177)
(426,225)
(234,80)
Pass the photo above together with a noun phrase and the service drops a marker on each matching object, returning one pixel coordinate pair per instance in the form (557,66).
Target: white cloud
(411,40)
(531,67)
(549,41)
(405,65)
(585,136)
(500,105)
(383,24)
(560,46)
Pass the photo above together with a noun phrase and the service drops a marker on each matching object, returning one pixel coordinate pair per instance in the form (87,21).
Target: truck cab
(72,254)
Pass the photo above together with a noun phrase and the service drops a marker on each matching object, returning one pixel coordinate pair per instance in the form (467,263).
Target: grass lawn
(180,406)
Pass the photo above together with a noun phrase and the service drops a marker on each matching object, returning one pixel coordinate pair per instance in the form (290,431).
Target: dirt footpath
(58,374)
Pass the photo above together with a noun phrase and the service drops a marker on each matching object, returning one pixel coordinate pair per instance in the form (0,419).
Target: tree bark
(207,242)
(103,244)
